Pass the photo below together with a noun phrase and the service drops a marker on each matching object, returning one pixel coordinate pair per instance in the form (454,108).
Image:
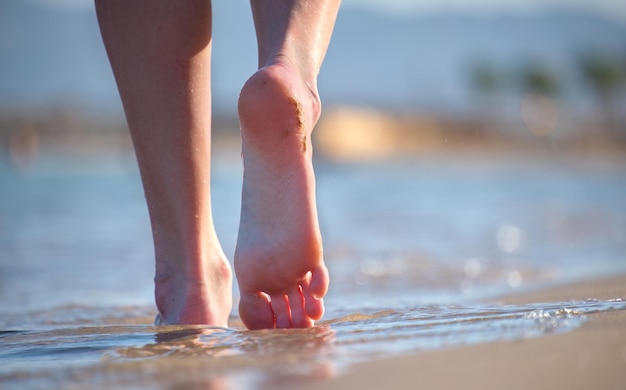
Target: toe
(314,308)
(314,291)
(280,307)
(318,286)
(299,318)
(255,311)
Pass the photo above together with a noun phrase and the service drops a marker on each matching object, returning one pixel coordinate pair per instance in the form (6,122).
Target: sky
(616,8)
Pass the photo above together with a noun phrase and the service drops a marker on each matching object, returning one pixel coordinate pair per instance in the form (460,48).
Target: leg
(160,52)
(278,259)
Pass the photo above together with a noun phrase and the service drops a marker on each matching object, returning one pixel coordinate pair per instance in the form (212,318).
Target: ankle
(193,272)
(202,297)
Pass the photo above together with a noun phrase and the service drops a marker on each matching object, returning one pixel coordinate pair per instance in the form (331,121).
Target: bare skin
(160,52)
(279,247)
(278,260)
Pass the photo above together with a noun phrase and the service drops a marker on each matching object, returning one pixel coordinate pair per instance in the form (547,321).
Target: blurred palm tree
(487,83)
(606,75)
(539,79)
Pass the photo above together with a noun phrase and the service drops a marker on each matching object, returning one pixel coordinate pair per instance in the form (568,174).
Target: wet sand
(592,356)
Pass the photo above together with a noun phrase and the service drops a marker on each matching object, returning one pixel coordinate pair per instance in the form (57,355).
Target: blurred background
(528,72)
(465,146)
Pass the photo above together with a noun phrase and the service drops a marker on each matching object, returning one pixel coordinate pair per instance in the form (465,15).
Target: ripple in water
(126,356)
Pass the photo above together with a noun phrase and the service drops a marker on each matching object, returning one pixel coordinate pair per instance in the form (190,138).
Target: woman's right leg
(278,260)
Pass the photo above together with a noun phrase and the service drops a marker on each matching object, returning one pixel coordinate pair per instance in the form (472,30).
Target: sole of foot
(278,259)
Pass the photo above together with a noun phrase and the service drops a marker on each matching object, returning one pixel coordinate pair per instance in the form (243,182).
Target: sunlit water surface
(416,249)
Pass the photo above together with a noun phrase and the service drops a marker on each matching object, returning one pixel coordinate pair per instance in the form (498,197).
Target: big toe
(256,312)
(314,291)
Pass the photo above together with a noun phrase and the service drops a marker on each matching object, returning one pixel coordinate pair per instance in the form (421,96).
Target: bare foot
(278,259)
(200,296)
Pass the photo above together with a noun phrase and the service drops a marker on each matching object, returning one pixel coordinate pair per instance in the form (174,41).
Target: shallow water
(132,355)
(415,249)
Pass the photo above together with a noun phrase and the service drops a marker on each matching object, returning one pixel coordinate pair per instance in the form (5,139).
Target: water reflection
(260,347)
(263,358)
(145,356)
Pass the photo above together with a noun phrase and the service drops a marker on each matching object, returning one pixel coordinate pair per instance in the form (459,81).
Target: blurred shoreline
(344,134)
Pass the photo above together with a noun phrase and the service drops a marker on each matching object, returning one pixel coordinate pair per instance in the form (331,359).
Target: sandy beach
(592,356)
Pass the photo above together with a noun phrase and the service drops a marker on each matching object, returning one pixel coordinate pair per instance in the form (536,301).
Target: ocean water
(419,250)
